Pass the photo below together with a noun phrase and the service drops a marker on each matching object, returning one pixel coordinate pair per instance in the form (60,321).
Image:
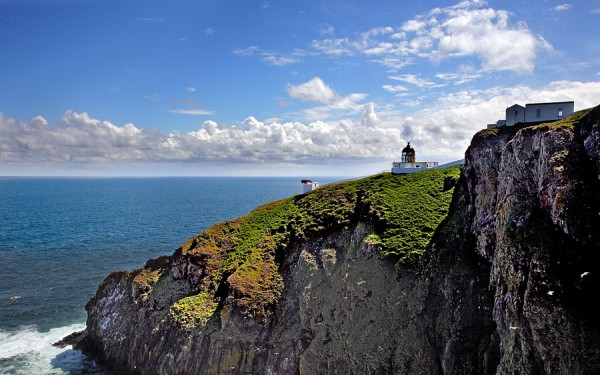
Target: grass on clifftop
(404,210)
(566,122)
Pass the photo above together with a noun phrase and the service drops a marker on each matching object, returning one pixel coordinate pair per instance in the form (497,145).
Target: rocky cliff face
(339,281)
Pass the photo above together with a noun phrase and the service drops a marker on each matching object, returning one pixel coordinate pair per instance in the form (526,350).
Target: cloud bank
(442,131)
(80,138)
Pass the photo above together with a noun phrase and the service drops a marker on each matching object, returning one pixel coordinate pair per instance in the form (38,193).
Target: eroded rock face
(539,233)
(508,285)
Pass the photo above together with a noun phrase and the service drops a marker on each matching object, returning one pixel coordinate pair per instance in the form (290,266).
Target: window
(538,113)
(560,112)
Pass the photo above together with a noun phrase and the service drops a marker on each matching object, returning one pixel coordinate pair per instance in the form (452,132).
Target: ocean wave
(29,351)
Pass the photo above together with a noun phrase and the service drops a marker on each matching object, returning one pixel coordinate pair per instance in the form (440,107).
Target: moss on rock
(193,311)
(404,211)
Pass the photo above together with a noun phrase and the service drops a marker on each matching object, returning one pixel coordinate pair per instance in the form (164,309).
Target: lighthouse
(409,163)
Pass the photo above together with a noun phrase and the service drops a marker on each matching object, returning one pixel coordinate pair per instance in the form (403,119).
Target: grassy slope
(404,210)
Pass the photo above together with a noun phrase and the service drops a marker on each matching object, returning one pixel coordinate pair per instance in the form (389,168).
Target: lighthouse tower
(409,163)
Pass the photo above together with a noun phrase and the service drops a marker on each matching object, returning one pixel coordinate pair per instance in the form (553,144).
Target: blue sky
(107,87)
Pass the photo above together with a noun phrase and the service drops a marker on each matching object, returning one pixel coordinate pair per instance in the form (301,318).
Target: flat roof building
(535,112)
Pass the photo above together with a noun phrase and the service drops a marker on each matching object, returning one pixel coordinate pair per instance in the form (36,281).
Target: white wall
(310,186)
(515,114)
(548,111)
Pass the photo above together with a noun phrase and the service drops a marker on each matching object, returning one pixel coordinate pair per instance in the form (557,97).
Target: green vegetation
(373,239)
(410,207)
(567,122)
(194,310)
(403,210)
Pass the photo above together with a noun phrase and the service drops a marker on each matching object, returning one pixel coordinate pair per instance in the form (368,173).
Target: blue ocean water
(59,238)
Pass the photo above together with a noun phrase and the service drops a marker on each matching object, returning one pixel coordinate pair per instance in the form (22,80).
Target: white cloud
(82,139)
(339,108)
(442,131)
(333,47)
(248,51)
(485,33)
(270,57)
(465,30)
(277,60)
(210,31)
(563,7)
(327,30)
(413,25)
(416,80)
(595,11)
(314,90)
(458,78)
(366,43)
(369,117)
(394,88)
(190,89)
(193,112)
(394,63)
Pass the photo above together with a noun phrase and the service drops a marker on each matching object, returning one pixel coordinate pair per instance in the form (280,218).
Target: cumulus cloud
(80,138)
(369,117)
(331,105)
(314,90)
(442,131)
(465,30)
(563,7)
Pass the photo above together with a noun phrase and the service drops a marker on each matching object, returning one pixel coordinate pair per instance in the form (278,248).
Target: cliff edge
(492,269)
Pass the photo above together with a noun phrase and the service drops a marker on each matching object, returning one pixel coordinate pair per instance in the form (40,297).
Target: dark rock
(72,339)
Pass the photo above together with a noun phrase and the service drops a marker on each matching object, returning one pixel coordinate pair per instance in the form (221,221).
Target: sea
(60,237)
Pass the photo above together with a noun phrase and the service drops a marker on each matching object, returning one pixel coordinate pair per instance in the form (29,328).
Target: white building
(535,112)
(514,114)
(309,185)
(409,163)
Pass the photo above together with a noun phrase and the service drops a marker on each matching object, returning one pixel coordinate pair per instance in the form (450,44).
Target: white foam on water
(28,351)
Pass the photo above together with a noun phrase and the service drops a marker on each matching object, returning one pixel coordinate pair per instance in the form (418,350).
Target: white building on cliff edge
(309,185)
(409,163)
(535,112)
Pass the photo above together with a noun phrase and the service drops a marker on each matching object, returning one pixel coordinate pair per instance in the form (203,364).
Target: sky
(295,88)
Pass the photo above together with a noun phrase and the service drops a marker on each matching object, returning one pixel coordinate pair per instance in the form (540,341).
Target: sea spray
(29,351)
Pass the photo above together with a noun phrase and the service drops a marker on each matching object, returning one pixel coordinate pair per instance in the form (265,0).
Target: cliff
(492,269)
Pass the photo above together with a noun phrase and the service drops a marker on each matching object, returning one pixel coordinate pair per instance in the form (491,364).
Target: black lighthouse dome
(408,154)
